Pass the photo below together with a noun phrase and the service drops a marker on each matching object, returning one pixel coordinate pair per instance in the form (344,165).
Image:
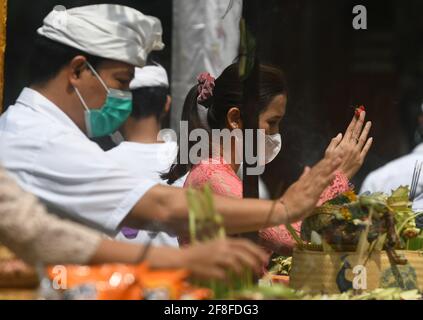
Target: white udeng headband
(126,34)
(150,76)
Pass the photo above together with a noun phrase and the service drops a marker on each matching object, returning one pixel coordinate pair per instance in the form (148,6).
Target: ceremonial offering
(360,242)
(205,223)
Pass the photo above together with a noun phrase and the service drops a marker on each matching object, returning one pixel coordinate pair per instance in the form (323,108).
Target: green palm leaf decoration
(247,51)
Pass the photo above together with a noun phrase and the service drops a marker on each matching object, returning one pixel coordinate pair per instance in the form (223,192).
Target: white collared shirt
(52,158)
(396,173)
(148,160)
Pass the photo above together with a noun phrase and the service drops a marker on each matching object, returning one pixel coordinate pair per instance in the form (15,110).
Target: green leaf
(247,51)
(294,234)
(415,244)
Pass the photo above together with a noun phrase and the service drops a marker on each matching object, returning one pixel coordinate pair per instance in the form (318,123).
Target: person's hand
(301,197)
(353,146)
(214,259)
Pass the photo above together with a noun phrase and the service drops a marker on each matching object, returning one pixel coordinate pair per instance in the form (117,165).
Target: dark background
(24,17)
(330,68)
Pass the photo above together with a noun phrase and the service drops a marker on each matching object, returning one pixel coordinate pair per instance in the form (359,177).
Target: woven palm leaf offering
(206,224)
(360,242)
(342,221)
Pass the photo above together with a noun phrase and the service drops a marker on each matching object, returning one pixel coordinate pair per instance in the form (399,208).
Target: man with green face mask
(80,73)
(106,120)
(78,90)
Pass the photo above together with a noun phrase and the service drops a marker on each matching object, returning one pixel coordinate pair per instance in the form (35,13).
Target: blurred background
(330,67)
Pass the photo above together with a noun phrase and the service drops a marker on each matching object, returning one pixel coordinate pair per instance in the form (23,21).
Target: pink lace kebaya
(224,181)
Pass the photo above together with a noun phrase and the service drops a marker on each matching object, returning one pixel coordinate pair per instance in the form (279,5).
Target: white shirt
(396,173)
(53,159)
(148,160)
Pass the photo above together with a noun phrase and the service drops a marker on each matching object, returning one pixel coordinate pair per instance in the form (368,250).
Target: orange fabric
(127,282)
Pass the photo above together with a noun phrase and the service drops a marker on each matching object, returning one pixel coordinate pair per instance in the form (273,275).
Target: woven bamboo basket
(331,273)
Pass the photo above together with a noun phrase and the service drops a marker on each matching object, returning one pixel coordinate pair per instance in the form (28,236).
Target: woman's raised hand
(353,146)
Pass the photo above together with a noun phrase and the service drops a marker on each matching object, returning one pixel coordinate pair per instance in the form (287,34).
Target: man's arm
(168,208)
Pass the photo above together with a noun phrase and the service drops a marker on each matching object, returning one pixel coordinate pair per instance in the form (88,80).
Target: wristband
(286,210)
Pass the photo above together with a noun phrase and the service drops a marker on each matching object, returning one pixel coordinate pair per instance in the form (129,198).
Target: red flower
(359,110)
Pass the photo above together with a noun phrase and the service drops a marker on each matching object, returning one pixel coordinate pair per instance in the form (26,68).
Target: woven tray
(319,272)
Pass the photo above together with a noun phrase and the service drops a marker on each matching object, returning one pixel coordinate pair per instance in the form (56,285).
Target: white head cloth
(150,76)
(105,30)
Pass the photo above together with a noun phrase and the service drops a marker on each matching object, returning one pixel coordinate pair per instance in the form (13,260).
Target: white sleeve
(369,184)
(74,177)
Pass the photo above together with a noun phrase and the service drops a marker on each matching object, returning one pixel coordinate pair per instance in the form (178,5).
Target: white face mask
(273,145)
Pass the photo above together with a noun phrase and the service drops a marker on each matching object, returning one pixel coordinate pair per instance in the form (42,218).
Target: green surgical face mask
(107,120)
